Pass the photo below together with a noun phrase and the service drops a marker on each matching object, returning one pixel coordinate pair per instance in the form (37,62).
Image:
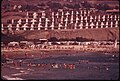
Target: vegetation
(78,39)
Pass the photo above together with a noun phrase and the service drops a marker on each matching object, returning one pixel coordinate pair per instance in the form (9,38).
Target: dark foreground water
(83,66)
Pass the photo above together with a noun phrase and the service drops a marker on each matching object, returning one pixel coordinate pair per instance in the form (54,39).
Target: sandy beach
(83,62)
(47,64)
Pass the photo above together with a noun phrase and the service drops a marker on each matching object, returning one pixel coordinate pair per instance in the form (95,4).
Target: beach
(47,64)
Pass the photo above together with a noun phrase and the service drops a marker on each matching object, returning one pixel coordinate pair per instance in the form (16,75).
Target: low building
(13,44)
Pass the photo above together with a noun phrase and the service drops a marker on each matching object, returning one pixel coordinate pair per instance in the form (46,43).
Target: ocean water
(86,66)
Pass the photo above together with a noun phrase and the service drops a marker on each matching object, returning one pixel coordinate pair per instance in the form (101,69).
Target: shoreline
(43,53)
(102,50)
(47,52)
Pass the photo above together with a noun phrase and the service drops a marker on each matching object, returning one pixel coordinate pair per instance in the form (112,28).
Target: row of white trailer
(65,20)
(60,26)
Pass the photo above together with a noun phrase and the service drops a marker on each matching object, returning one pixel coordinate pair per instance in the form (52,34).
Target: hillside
(16,9)
(96,34)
